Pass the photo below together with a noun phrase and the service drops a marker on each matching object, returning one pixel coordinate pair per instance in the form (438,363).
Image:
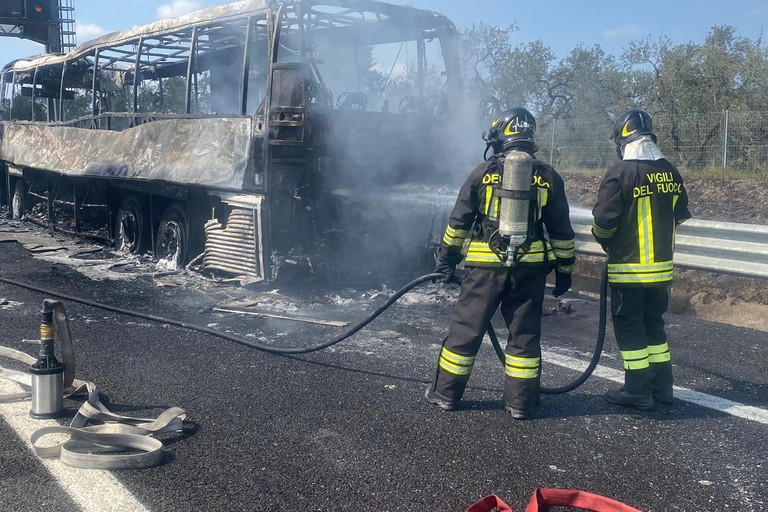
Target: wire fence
(734,143)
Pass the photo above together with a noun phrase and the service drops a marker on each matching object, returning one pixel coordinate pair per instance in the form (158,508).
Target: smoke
(400,145)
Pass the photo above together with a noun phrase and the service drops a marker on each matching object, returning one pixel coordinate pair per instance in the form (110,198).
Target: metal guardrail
(724,247)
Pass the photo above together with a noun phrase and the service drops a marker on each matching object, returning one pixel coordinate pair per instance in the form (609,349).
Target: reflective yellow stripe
(456,363)
(521,374)
(453,357)
(565,269)
(455,237)
(639,273)
(602,233)
(488,197)
(659,358)
(658,353)
(536,254)
(659,266)
(635,359)
(522,367)
(563,249)
(645,229)
(562,244)
(480,252)
(674,224)
(543,197)
(455,369)
(522,361)
(660,277)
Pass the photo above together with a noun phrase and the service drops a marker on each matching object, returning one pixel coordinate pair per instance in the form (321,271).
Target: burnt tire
(172,238)
(130,226)
(18,200)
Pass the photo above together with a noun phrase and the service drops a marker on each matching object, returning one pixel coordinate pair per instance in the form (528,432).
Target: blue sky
(560,24)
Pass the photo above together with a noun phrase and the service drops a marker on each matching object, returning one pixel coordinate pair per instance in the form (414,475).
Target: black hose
(595,355)
(264,348)
(303,350)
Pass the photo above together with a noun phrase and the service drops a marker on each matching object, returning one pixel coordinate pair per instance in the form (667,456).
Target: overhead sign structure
(11,8)
(36,20)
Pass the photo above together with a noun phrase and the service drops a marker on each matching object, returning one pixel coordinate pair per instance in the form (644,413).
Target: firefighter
(490,280)
(640,202)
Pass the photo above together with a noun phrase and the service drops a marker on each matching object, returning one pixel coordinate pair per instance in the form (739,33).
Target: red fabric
(542,499)
(488,504)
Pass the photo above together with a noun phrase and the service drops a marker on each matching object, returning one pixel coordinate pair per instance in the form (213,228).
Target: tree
(687,86)
(484,49)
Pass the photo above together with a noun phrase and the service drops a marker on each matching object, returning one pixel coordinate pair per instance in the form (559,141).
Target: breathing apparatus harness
(519,225)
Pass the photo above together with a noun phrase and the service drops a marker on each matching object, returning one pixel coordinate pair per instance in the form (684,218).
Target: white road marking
(92,490)
(746,412)
(100,491)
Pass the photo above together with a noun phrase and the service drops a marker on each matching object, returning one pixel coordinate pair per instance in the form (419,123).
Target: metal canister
(47,375)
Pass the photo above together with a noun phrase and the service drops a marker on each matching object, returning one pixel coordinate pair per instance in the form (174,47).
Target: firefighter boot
(636,392)
(433,398)
(661,383)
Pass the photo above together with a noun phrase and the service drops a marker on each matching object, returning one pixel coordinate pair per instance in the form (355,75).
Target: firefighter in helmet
(640,202)
(500,272)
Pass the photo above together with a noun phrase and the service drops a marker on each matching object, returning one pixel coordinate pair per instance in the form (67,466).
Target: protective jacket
(639,204)
(476,213)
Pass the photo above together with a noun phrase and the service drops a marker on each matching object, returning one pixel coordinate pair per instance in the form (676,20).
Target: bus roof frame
(404,17)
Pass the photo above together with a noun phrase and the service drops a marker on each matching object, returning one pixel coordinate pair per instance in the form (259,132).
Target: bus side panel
(203,152)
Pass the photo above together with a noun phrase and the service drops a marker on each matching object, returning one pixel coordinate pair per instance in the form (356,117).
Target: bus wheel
(18,202)
(172,238)
(129,226)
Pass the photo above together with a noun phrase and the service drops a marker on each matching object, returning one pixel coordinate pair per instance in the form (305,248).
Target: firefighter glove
(562,283)
(446,269)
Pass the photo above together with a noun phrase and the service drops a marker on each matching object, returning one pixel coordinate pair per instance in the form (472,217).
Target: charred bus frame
(217,133)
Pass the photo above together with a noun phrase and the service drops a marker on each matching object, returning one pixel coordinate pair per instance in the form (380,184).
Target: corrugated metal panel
(235,248)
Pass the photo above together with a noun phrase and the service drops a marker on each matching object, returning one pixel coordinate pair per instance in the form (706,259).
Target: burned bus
(254,137)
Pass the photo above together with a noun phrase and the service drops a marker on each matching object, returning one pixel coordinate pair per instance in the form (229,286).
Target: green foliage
(687,88)
(22,108)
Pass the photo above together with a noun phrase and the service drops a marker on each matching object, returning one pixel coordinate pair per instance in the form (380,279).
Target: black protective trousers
(520,293)
(638,324)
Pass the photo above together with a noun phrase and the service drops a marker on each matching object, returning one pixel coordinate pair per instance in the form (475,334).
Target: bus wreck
(254,137)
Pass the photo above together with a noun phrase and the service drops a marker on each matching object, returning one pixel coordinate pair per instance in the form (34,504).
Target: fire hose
(86,447)
(91,446)
(598,350)
(349,332)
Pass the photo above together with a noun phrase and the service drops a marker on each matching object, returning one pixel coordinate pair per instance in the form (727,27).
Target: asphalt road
(347,428)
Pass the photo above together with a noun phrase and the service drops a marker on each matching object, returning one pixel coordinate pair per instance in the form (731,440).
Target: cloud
(759,10)
(88,31)
(626,30)
(177,8)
